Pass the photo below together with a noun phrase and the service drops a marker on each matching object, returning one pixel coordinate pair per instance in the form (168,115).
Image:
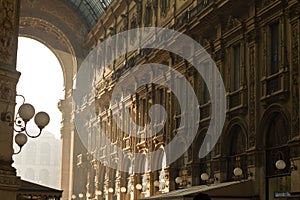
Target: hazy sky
(41,81)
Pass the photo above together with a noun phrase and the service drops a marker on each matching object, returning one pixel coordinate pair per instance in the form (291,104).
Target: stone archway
(269,156)
(57,26)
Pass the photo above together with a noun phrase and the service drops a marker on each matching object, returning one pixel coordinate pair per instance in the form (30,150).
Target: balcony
(275,87)
(237,100)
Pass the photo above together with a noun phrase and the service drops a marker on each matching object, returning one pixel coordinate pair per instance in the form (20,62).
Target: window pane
(236,67)
(275,44)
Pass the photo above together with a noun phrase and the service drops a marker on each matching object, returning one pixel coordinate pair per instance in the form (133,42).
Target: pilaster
(9,22)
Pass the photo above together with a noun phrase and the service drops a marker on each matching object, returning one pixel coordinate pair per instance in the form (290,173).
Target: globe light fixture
(73,196)
(88,195)
(280,164)
(110,190)
(25,113)
(138,186)
(178,180)
(123,189)
(98,192)
(204,177)
(80,195)
(237,172)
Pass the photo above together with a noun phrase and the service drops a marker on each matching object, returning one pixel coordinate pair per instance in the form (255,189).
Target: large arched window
(237,153)
(44,177)
(277,136)
(29,174)
(31,153)
(238,141)
(45,154)
(207,154)
(162,162)
(276,142)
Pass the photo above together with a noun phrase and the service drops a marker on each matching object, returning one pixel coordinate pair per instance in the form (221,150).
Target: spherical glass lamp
(123,189)
(204,176)
(280,164)
(98,192)
(110,190)
(237,171)
(80,195)
(26,112)
(178,180)
(138,186)
(42,119)
(21,139)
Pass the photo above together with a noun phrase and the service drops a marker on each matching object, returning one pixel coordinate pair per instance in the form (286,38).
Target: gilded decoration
(7,31)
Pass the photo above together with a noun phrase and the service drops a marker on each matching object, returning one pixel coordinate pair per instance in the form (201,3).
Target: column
(9,22)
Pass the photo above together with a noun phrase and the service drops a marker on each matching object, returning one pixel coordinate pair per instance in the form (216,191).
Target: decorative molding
(252,95)
(8,83)
(59,40)
(8,31)
(295,83)
(9,181)
(57,11)
(232,22)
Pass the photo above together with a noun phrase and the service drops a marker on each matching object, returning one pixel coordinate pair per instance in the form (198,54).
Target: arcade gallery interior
(112,145)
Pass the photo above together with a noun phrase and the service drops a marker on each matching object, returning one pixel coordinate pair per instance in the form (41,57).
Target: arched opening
(237,153)
(42,84)
(277,150)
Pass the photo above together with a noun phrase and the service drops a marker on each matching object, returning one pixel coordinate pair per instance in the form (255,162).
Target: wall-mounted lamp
(204,177)
(73,196)
(123,189)
(80,195)
(110,190)
(138,186)
(281,165)
(98,192)
(25,113)
(88,195)
(178,180)
(207,179)
(238,172)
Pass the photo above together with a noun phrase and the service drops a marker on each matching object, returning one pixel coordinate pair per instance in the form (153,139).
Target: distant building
(40,161)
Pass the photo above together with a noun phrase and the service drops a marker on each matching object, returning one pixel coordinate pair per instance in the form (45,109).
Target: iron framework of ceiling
(89,10)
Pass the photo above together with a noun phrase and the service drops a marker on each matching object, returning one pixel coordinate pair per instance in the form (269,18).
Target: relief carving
(252,95)
(295,85)
(7,23)
(232,22)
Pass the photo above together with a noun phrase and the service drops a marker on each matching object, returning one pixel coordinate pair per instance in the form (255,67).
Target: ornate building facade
(255,47)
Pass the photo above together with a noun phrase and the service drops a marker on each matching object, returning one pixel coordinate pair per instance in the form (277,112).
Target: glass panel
(277,132)
(90,10)
(238,143)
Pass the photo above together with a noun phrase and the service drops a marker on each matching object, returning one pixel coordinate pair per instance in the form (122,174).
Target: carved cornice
(9,182)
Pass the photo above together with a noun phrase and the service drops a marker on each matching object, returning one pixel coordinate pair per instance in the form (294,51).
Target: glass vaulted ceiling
(89,10)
